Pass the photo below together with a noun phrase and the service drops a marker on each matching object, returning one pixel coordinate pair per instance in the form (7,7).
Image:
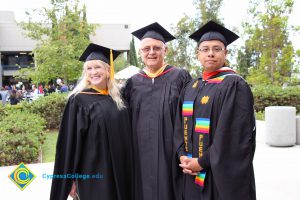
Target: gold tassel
(112,71)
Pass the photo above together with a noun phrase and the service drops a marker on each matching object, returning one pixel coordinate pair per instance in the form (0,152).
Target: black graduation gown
(226,152)
(153,104)
(94,139)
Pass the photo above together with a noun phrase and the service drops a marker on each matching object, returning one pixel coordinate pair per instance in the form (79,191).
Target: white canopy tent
(127,72)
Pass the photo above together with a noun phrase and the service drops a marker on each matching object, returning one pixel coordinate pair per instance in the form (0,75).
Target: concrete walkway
(277,173)
(277,169)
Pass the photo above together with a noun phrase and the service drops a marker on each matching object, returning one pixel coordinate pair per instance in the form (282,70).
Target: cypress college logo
(22,176)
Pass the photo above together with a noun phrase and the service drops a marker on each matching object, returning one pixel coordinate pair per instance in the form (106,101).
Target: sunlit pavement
(277,173)
(277,169)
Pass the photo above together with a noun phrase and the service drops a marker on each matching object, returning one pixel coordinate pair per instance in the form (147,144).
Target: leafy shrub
(49,107)
(3,111)
(21,135)
(260,115)
(276,96)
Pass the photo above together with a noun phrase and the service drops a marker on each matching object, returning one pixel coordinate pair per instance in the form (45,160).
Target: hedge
(22,127)
(49,107)
(21,136)
(3,111)
(276,96)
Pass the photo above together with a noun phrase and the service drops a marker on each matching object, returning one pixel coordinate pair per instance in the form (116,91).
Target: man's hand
(190,165)
(183,159)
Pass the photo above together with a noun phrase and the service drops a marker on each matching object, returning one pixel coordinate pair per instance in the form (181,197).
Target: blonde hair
(112,87)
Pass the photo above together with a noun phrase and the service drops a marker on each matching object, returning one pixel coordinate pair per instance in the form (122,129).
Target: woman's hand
(73,190)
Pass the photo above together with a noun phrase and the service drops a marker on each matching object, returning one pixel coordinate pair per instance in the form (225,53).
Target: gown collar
(166,69)
(93,90)
(208,75)
(155,74)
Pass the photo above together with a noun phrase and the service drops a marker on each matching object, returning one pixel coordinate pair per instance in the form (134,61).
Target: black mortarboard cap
(97,52)
(214,31)
(155,31)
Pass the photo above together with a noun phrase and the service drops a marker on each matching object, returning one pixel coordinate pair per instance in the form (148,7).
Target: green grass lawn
(48,147)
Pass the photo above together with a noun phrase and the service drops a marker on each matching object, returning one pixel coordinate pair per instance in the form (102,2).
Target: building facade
(16,49)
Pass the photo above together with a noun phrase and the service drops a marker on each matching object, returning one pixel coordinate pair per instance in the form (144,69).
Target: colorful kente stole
(187,113)
(202,128)
(217,80)
(196,120)
(194,126)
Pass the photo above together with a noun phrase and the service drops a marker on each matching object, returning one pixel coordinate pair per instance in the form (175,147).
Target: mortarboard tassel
(112,71)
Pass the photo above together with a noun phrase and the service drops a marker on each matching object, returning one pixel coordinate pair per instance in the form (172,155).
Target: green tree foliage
(269,52)
(207,10)
(62,33)
(120,63)
(132,54)
(245,58)
(182,51)
(140,61)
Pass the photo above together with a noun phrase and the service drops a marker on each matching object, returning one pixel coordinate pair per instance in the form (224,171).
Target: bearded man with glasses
(215,127)
(152,95)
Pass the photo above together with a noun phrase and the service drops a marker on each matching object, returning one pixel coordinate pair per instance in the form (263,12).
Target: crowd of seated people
(14,93)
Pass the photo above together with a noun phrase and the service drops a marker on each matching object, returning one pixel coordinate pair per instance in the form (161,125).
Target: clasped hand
(190,165)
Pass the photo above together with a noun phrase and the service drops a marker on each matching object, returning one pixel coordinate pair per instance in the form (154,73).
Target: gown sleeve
(178,131)
(178,150)
(125,91)
(178,141)
(73,125)
(231,153)
(187,78)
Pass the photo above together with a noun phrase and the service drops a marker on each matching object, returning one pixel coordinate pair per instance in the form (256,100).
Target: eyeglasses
(215,49)
(154,49)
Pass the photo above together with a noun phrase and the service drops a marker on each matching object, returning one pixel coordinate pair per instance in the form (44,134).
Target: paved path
(277,169)
(277,172)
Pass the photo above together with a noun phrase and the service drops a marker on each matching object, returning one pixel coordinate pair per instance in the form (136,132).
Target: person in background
(95,135)
(63,87)
(215,126)
(51,88)
(34,93)
(40,89)
(4,95)
(13,98)
(152,95)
